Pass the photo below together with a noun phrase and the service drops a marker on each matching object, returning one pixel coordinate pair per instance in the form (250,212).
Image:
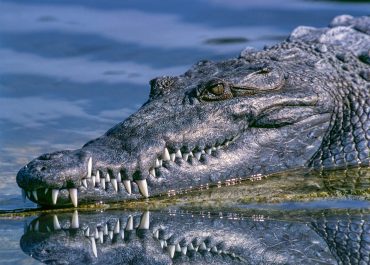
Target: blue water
(69,70)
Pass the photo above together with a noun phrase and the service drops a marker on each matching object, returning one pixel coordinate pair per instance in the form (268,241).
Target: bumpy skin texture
(301,103)
(181,238)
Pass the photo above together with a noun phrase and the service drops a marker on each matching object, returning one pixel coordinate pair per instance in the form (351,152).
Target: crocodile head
(263,112)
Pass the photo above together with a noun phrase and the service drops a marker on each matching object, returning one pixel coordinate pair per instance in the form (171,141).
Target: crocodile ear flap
(289,55)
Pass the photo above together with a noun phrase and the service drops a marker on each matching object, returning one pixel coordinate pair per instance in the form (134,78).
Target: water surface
(70,70)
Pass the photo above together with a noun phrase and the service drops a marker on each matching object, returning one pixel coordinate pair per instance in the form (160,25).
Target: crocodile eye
(217,89)
(214,91)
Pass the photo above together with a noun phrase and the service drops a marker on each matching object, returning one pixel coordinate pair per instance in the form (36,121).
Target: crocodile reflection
(176,238)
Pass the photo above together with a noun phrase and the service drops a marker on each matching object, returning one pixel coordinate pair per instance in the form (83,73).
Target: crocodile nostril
(43,169)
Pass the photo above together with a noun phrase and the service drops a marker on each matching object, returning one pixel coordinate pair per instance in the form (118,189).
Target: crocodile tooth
(130,224)
(214,249)
(171,250)
(191,154)
(197,155)
(34,193)
(28,194)
(162,243)
(102,183)
(202,246)
(166,155)
(119,177)
(202,151)
(46,190)
(84,183)
(127,185)
(213,148)
(208,151)
(178,248)
(157,164)
(190,246)
(160,162)
(143,187)
(93,179)
(75,223)
(105,232)
(185,156)
(156,234)
(178,154)
(184,250)
(87,232)
(97,178)
(172,157)
(54,195)
(73,195)
(96,235)
(144,222)
(56,223)
(114,184)
(116,227)
(23,195)
(93,246)
(152,172)
(107,178)
(89,168)
(101,237)
(110,233)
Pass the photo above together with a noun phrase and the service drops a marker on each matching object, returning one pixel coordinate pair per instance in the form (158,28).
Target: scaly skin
(301,103)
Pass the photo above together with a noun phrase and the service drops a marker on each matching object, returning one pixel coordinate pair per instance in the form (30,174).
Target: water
(70,70)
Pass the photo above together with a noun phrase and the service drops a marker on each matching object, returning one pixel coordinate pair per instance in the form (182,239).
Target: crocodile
(182,237)
(302,103)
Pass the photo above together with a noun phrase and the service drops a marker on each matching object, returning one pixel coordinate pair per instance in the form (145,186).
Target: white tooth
(213,148)
(54,195)
(196,248)
(110,233)
(36,227)
(73,195)
(116,228)
(119,177)
(28,194)
(75,223)
(178,248)
(191,154)
(185,156)
(165,243)
(130,224)
(101,237)
(105,229)
(162,243)
(96,233)
(190,246)
(127,185)
(46,190)
(93,179)
(107,179)
(87,232)
(144,222)
(23,195)
(48,228)
(218,147)
(102,183)
(197,155)
(209,151)
(89,168)
(178,154)
(160,162)
(34,193)
(202,246)
(114,184)
(156,234)
(166,155)
(56,222)
(172,157)
(184,250)
(152,172)
(122,234)
(143,187)
(84,183)
(171,250)
(93,246)
(97,178)
(214,249)
(202,151)
(157,164)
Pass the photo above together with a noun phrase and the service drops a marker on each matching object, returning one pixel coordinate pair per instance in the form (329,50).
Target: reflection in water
(182,238)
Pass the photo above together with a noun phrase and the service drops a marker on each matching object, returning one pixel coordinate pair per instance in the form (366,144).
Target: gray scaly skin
(176,238)
(301,103)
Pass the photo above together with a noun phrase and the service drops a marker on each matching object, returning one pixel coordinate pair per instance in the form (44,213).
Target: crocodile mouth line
(108,182)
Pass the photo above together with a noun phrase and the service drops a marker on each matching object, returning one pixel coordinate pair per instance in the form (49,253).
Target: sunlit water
(69,70)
